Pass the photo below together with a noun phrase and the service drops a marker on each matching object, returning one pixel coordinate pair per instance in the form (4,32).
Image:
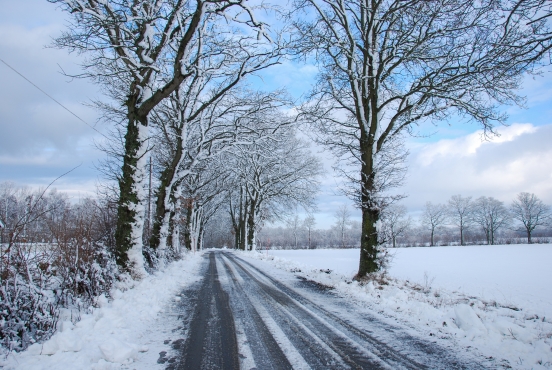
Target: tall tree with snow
(204,195)
(294,224)
(309,222)
(386,65)
(531,212)
(141,52)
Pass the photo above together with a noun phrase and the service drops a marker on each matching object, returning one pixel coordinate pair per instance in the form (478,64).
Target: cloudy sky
(39,140)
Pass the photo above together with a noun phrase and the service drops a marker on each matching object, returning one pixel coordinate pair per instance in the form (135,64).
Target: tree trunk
(242,222)
(251,227)
(131,208)
(237,238)
(368,243)
(370,209)
(235,224)
(243,236)
(432,233)
(195,230)
(175,239)
(243,225)
(166,200)
(200,238)
(529,236)
(187,236)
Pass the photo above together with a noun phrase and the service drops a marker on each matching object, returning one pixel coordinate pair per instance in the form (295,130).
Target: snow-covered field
(126,332)
(514,275)
(496,299)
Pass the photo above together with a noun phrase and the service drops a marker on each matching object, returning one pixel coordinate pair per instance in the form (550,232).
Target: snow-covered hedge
(54,257)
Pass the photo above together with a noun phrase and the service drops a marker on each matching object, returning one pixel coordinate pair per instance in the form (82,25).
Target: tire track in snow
(348,340)
(211,342)
(319,343)
(266,352)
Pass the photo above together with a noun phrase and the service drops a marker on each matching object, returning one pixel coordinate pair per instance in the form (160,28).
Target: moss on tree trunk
(128,197)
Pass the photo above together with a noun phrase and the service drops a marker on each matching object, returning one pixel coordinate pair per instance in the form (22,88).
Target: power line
(48,95)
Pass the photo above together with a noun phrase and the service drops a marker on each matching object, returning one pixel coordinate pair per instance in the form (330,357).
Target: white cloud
(39,140)
(468,145)
(519,160)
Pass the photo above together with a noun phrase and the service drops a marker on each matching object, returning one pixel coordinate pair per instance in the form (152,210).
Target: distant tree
(342,217)
(309,223)
(395,222)
(433,217)
(530,211)
(294,224)
(460,213)
(270,175)
(491,215)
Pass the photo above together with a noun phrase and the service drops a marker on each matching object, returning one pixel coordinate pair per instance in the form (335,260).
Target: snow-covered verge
(507,335)
(126,330)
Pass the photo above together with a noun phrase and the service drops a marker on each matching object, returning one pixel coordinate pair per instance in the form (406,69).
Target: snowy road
(246,317)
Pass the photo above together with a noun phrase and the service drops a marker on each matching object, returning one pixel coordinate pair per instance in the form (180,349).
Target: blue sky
(39,140)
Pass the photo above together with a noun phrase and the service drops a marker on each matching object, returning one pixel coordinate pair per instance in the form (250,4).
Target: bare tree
(395,222)
(530,211)
(141,52)
(309,222)
(491,215)
(386,65)
(434,216)
(295,225)
(460,213)
(342,217)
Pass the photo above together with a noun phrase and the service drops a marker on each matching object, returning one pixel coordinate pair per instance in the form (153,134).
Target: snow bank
(116,333)
(508,335)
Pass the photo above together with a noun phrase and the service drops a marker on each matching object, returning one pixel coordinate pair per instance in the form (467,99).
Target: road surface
(240,317)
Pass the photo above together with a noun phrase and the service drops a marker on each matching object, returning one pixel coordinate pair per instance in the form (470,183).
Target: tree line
(460,221)
(190,135)
(482,218)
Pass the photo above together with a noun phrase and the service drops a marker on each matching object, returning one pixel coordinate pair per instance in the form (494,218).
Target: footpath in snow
(497,299)
(127,332)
